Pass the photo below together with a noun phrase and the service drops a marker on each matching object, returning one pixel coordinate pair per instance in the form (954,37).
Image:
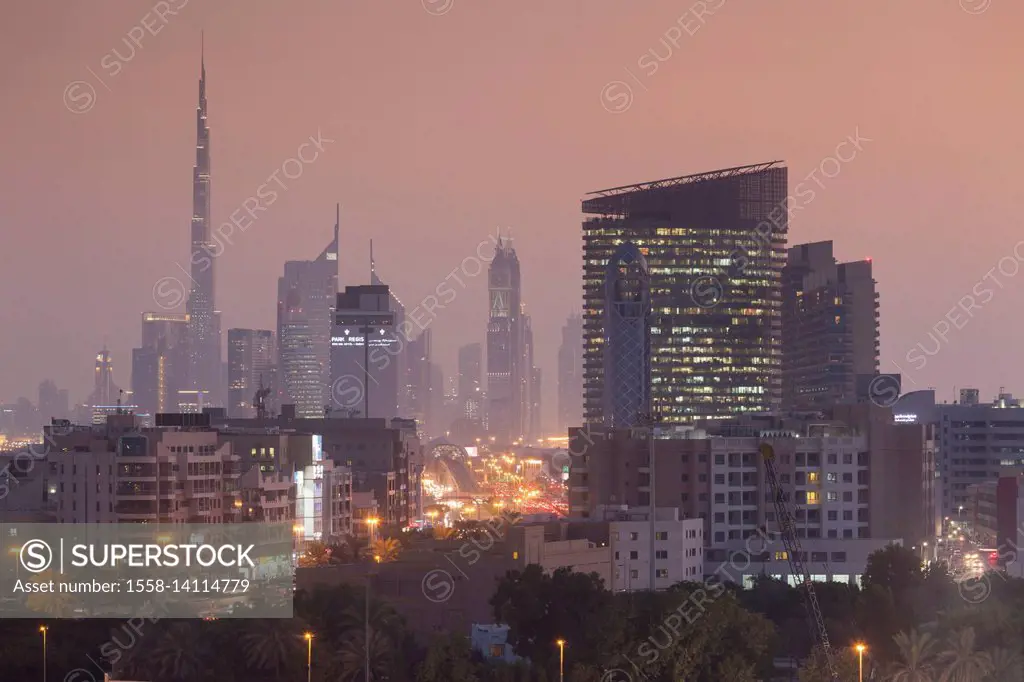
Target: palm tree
(917,658)
(315,554)
(961,662)
(273,646)
(1007,666)
(351,659)
(180,652)
(385,550)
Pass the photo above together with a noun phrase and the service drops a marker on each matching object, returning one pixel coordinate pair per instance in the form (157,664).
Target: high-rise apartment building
(829,327)
(570,375)
(305,316)
(160,366)
(251,356)
(204,343)
(364,353)
(713,244)
(507,374)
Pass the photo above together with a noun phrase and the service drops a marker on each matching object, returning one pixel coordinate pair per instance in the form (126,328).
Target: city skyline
(871,201)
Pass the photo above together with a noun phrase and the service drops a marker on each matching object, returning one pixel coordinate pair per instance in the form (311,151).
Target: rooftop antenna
(373,269)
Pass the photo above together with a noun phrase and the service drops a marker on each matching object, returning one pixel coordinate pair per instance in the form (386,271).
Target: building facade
(305,317)
(713,243)
(507,374)
(364,353)
(975,442)
(251,357)
(160,366)
(829,327)
(570,375)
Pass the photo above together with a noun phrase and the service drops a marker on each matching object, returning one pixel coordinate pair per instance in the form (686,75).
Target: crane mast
(795,556)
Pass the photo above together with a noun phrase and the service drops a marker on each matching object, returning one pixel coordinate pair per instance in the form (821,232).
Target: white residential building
(678,548)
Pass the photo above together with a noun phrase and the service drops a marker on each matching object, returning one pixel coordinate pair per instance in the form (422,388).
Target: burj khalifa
(204,318)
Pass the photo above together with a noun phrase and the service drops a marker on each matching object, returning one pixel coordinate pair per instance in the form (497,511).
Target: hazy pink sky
(449,126)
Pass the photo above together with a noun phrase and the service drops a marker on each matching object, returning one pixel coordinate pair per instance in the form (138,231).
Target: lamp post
(43,629)
(309,656)
(561,660)
(372,522)
(860,648)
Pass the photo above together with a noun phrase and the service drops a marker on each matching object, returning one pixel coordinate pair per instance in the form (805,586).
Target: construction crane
(795,555)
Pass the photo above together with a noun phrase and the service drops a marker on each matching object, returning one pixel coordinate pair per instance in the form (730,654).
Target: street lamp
(372,522)
(860,648)
(561,659)
(43,629)
(308,636)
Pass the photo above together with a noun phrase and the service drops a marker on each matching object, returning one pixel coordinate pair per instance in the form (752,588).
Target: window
(847,458)
(661,535)
(847,496)
(833,516)
(839,556)
(832,496)
(661,554)
(812,497)
(782,556)
(819,557)
(634,574)
(497,651)
(812,477)
(634,536)
(720,460)
(719,479)
(831,477)
(661,573)
(832,459)
(847,515)
(634,555)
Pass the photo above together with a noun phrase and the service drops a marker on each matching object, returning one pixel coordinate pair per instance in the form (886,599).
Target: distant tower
(305,316)
(105,392)
(570,375)
(627,354)
(203,316)
(505,347)
(251,356)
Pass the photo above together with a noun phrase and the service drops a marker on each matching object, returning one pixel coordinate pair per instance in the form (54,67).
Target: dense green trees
(918,626)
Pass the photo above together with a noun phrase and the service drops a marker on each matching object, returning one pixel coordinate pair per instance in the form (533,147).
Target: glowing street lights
(561,659)
(308,636)
(43,629)
(860,648)
(372,523)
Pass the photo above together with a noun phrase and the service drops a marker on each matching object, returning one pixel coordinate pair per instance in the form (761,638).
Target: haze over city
(449,126)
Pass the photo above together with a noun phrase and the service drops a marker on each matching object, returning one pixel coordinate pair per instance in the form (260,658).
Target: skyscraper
(471,362)
(417,372)
(713,243)
(203,318)
(400,346)
(305,316)
(364,348)
(470,387)
(105,393)
(627,338)
(53,402)
(251,356)
(570,375)
(160,366)
(829,327)
(505,347)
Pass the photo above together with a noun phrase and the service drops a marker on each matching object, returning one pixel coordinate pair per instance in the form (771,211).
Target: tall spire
(202,53)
